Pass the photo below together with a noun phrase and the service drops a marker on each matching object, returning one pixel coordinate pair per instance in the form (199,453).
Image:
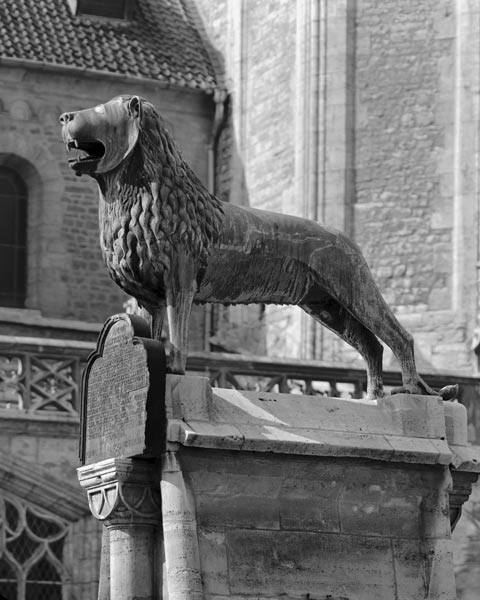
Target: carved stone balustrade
(41,375)
(44,375)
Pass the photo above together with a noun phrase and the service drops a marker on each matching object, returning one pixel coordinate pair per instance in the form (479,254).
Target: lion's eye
(100,109)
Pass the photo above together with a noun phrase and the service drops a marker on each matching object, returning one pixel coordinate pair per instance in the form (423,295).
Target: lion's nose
(66,117)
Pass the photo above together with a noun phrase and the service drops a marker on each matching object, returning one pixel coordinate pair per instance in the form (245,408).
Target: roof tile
(160,41)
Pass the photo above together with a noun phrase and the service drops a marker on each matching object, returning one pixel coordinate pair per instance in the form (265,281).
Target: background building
(363,114)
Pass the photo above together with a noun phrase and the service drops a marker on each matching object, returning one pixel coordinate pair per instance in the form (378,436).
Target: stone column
(182,557)
(124,493)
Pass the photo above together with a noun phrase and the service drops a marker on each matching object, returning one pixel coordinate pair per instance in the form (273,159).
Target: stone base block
(279,526)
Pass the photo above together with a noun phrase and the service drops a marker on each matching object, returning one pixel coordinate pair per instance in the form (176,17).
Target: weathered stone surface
(262,562)
(295,495)
(405,428)
(421,579)
(183,576)
(123,388)
(276,525)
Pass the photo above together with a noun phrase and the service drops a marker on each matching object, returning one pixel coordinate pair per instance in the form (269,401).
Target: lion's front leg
(180,289)
(179,306)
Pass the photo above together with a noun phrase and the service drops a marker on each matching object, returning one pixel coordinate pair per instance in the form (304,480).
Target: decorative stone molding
(122,491)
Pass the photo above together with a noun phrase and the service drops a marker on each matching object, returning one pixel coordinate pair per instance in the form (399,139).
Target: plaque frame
(156,363)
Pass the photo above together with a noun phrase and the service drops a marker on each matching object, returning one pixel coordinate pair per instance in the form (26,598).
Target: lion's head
(105,134)
(150,199)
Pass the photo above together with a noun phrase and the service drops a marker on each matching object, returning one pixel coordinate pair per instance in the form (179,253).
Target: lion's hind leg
(376,316)
(336,318)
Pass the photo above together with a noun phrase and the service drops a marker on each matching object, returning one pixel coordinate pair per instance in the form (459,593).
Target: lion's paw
(420,388)
(414,390)
(449,392)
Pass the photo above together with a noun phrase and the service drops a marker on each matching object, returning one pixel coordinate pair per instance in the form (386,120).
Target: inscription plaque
(123,393)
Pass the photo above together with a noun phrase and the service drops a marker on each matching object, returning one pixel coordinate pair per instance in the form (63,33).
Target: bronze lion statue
(169,243)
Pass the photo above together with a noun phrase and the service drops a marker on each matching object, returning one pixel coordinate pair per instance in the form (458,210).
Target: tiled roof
(160,42)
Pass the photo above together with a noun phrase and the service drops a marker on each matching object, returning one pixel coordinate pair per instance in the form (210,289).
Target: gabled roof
(159,42)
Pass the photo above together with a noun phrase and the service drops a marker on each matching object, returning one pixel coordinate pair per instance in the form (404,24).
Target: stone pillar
(124,493)
(182,560)
(269,495)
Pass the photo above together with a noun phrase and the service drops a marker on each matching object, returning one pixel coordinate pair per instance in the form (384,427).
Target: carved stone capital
(122,491)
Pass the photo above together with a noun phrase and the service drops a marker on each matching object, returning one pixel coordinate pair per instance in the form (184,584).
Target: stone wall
(404,197)
(322,527)
(405,170)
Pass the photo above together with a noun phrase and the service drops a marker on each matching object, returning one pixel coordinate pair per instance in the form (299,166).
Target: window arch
(13,235)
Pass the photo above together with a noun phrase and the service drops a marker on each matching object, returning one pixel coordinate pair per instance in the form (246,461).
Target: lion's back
(272,258)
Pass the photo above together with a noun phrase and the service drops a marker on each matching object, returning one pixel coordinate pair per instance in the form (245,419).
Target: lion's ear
(135,107)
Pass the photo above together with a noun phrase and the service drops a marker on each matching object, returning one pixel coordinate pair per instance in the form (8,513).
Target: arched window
(13,234)
(31,552)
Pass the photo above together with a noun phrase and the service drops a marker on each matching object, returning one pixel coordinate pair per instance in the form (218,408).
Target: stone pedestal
(306,497)
(268,496)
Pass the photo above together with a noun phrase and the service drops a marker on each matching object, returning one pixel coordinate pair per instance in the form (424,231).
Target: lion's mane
(154,204)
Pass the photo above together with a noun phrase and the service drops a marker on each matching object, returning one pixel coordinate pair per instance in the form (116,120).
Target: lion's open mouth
(92,152)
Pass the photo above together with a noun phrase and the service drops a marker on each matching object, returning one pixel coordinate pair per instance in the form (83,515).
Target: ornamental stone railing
(43,376)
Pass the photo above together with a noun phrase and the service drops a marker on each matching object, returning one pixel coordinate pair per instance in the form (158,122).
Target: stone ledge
(312,442)
(403,428)
(34,317)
